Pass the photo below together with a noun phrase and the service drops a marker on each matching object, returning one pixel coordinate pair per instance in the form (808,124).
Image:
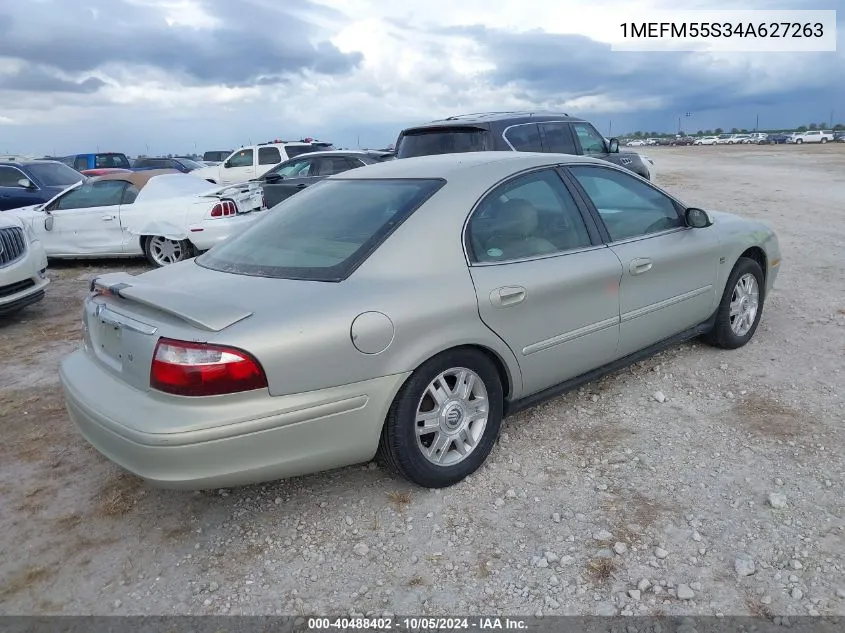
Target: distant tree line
(718,130)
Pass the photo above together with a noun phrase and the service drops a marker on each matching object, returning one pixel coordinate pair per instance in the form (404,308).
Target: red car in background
(102,171)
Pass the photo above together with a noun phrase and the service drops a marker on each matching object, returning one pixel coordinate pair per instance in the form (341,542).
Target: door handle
(507,296)
(108,218)
(639,266)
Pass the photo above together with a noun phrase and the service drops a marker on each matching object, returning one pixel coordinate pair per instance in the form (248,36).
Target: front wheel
(444,421)
(741,306)
(161,251)
(799,142)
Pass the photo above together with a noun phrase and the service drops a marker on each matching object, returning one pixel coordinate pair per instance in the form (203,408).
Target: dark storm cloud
(563,67)
(38,80)
(255,39)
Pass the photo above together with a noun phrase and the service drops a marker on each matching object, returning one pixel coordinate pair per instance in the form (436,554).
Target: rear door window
(525,138)
(80,163)
(445,140)
(269,156)
(331,165)
(557,138)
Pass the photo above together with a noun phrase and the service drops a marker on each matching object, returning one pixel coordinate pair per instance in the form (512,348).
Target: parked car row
(169,216)
(754,138)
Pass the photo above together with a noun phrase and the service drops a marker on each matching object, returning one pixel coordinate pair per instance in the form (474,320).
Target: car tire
(824,140)
(799,141)
(161,251)
(404,449)
(745,287)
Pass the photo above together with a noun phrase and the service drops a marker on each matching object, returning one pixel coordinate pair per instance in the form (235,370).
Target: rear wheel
(824,140)
(799,141)
(161,251)
(445,419)
(741,306)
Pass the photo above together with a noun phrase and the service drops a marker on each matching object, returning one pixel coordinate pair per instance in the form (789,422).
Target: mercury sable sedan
(403,309)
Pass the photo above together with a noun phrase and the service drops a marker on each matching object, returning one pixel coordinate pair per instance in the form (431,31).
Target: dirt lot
(603,501)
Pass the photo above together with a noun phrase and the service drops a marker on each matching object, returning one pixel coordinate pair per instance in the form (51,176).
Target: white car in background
(637,143)
(724,139)
(756,138)
(164,215)
(706,140)
(814,136)
(248,163)
(23,265)
(738,139)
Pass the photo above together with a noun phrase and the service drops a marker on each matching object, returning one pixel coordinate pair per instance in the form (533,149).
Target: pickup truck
(814,136)
(251,162)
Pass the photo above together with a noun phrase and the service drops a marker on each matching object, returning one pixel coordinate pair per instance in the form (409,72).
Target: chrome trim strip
(633,314)
(573,251)
(637,238)
(569,336)
(106,315)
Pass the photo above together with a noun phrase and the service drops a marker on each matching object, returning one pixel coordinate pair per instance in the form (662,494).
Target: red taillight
(223,209)
(200,369)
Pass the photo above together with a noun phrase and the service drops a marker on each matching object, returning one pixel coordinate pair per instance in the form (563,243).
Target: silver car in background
(403,309)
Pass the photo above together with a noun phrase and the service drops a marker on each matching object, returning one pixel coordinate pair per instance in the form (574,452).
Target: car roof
(341,152)
(513,117)
(138,178)
(23,162)
(447,166)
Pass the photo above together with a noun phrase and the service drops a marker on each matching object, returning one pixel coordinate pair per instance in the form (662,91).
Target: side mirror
(613,146)
(272,178)
(698,218)
(227,164)
(26,183)
(48,222)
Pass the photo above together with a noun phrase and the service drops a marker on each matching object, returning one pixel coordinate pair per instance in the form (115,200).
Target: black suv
(515,131)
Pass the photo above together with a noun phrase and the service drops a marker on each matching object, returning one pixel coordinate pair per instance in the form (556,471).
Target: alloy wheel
(451,416)
(745,302)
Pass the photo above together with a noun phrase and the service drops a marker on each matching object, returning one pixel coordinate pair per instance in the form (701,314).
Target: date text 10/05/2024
(417,624)
(693,30)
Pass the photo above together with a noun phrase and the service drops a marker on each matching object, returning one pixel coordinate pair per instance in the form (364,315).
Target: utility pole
(687,115)
(757,123)
(610,128)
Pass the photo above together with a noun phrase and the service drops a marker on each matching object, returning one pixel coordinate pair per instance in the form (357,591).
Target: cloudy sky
(159,76)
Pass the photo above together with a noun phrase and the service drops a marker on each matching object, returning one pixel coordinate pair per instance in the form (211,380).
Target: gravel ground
(697,482)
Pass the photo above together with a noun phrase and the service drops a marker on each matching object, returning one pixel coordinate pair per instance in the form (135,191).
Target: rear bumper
(242,439)
(212,231)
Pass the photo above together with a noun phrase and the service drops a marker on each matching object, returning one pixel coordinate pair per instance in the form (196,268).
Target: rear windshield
(190,164)
(445,140)
(55,174)
(322,233)
(111,160)
(215,156)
